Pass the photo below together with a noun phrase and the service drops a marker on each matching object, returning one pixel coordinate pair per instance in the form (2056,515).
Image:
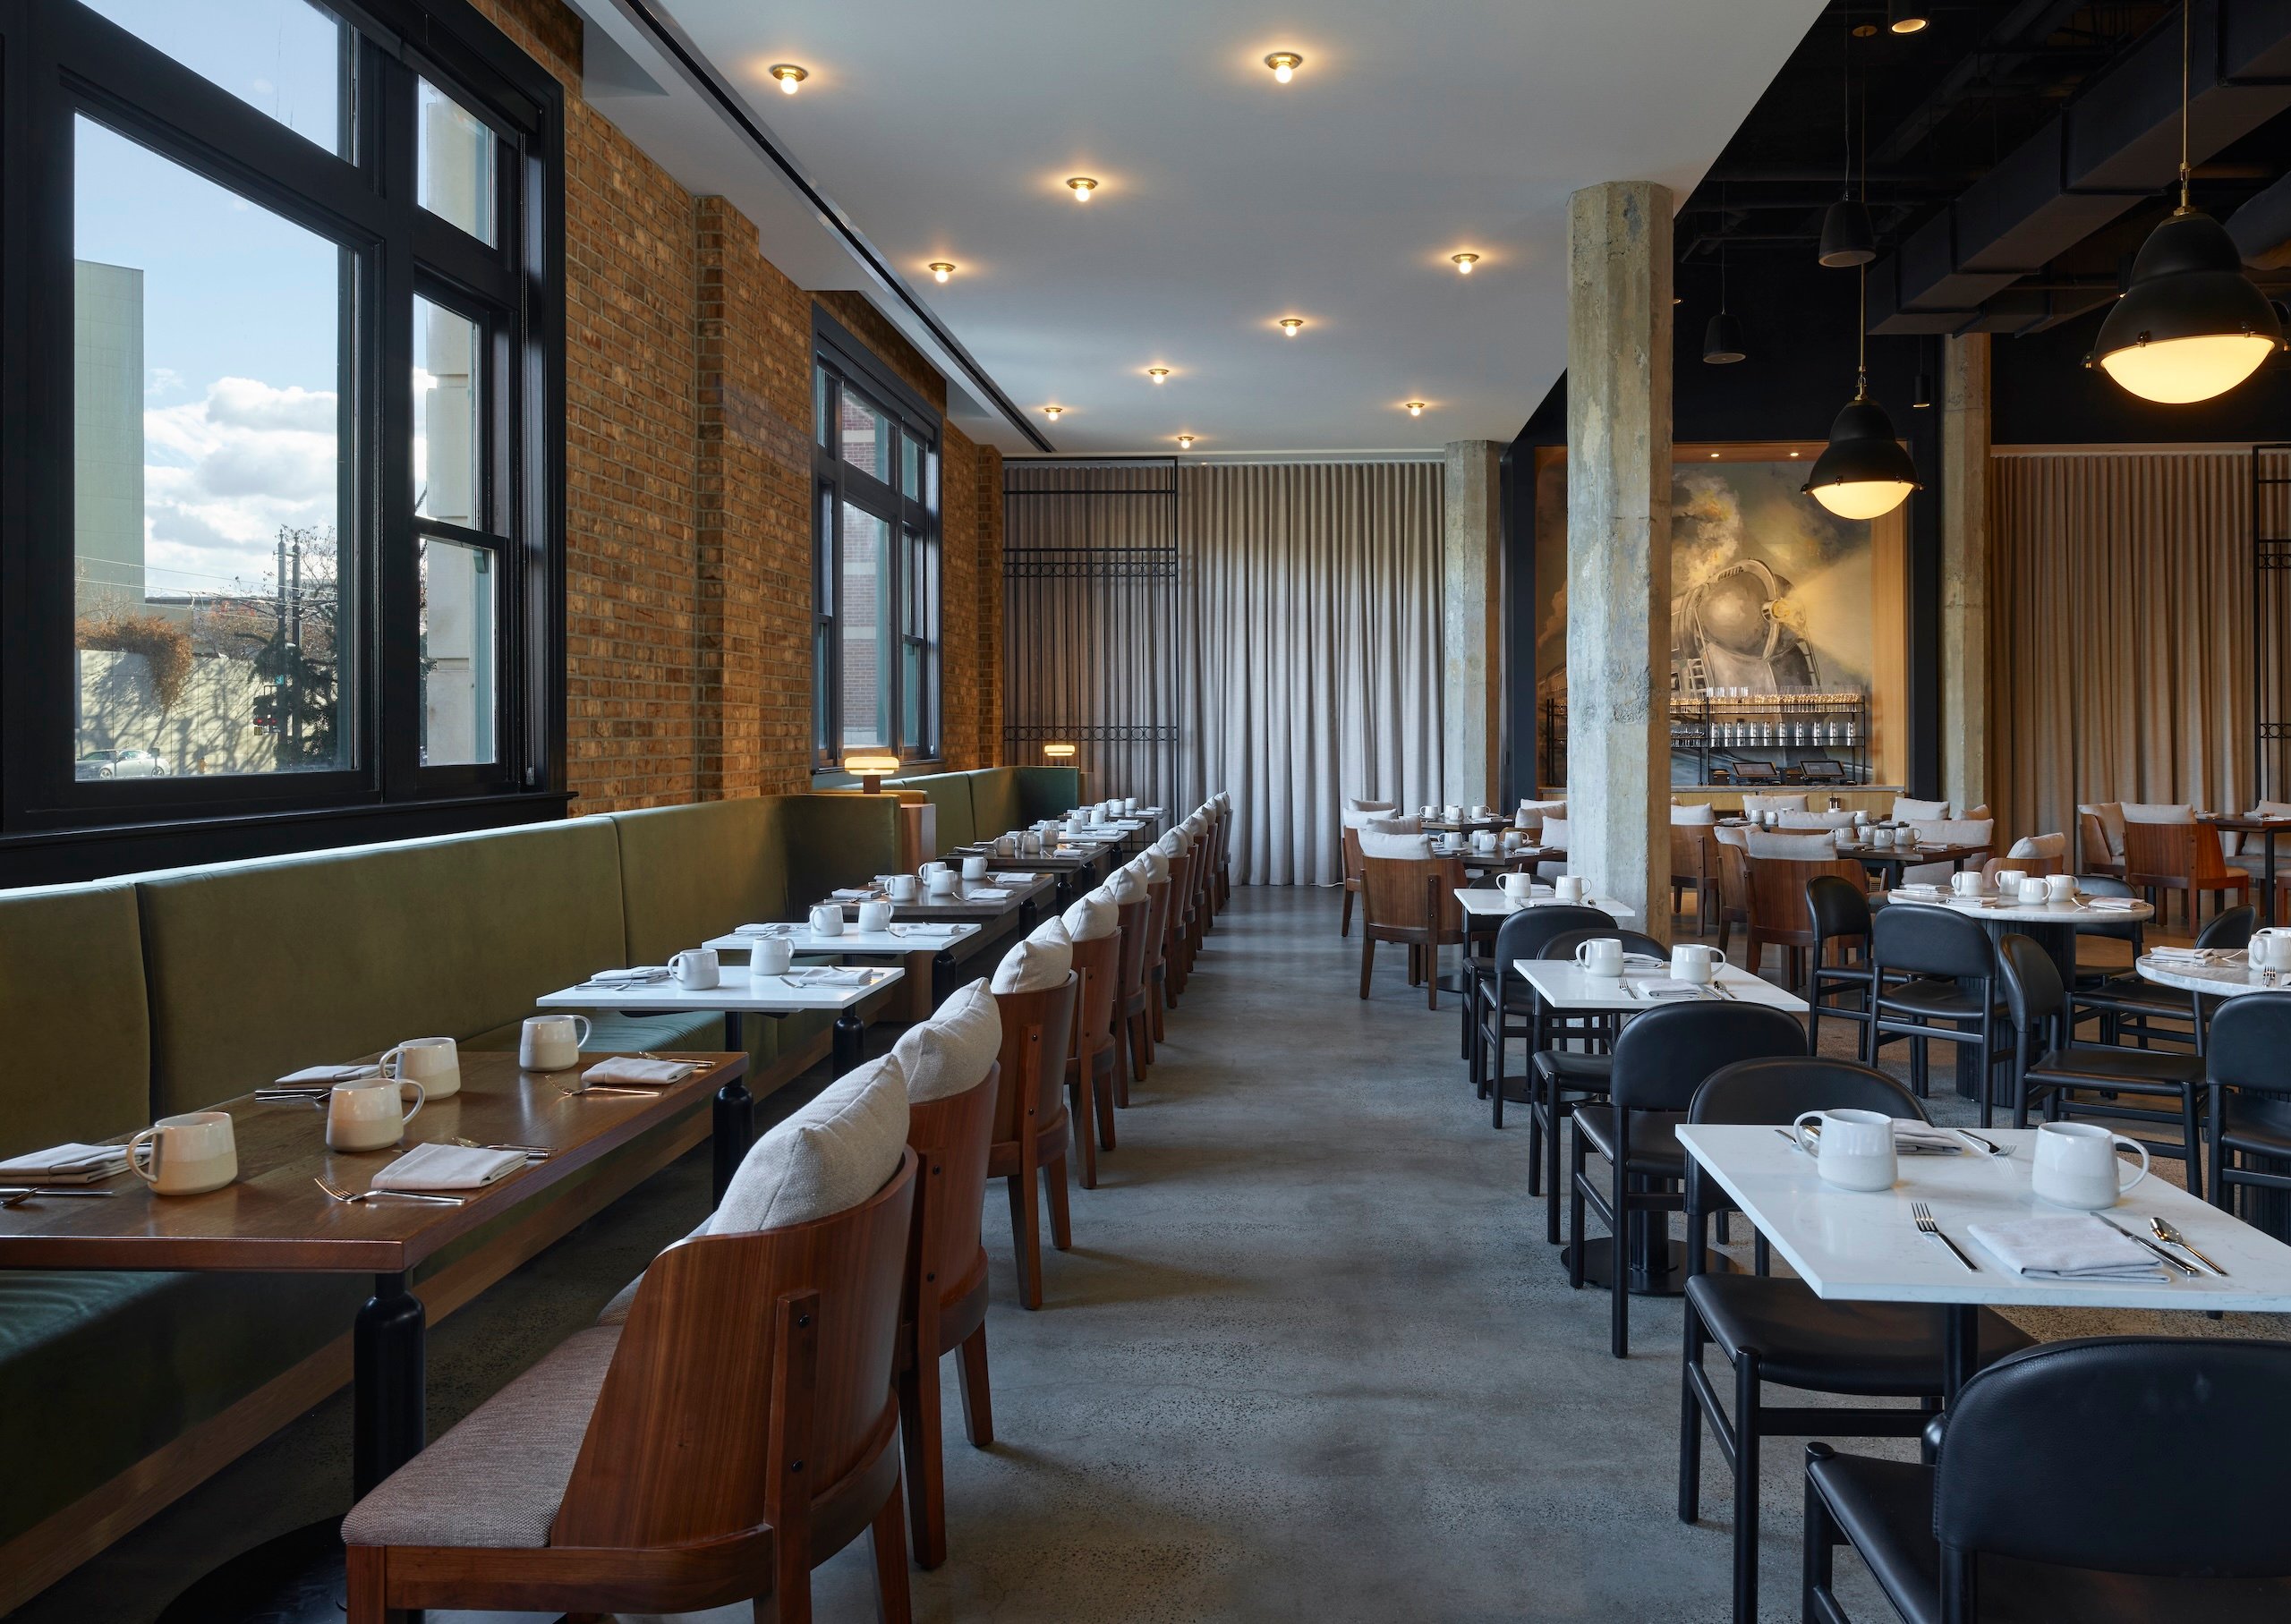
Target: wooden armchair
(737,1431)
(1694,869)
(1031,1123)
(1128,1006)
(1177,928)
(945,1305)
(1090,1053)
(1412,900)
(1775,894)
(1145,1027)
(1352,861)
(2184,857)
(1733,884)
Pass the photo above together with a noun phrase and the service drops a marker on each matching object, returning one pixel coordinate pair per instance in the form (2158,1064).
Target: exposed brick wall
(688,479)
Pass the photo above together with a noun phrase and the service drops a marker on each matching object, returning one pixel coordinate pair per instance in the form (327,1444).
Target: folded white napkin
(1922,891)
(447,1167)
(1012,877)
(852,893)
(1664,986)
(2113,905)
(828,976)
(627,1069)
(2192,955)
(639,977)
(65,1162)
(946,930)
(764,929)
(329,1074)
(987,893)
(2068,1246)
(1924,1139)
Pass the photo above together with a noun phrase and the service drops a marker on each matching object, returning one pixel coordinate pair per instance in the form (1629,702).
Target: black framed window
(281,422)
(875,641)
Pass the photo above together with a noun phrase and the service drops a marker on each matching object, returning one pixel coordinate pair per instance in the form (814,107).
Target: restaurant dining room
(1058,813)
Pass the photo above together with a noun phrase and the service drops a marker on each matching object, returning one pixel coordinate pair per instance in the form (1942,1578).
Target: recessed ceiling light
(1283,63)
(1053,412)
(788,75)
(1416,408)
(1185,442)
(1158,373)
(1291,326)
(1082,186)
(1464,263)
(942,268)
(1907,16)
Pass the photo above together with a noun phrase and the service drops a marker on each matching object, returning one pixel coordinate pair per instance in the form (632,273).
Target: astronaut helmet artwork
(1740,629)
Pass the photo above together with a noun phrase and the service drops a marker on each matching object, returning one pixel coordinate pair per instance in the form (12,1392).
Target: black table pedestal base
(296,1578)
(1666,1277)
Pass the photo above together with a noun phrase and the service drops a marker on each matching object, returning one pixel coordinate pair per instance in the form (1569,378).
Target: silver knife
(2185,1267)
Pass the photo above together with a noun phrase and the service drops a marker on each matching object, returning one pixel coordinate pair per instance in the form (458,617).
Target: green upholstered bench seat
(101,1369)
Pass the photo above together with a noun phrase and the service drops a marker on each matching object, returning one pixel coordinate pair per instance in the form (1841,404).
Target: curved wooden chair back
(1037,1030)
(1129,971)
(1733,877)
(2178,857)
(952,1137)
(752,1380)
(1413,894)
(1157,925)
(2026,865)
(1352,858)
(1777,897)
(1177,928)
(1098,963)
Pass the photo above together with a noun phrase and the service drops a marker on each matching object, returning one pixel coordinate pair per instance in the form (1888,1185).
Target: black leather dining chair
(1840,912)
(2093,1079)
(1660,1059)
(1504,1006)
(2099,1480)
(1950,992)
(2128,1001)
(2249,1106)
(1776,1330)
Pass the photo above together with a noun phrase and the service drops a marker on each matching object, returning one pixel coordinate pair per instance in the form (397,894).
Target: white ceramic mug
(940,882)
(772,955)
(697,969)
(2008,882)
(1567,887)
(189,1155)
(1881,837)
(1966,882)
(1074,826)
(826,919)
(433,1062)
(551,1042)
(2060,888)
(1600,956)
(2076,1165)
(2269,950)
(974,868)
(2033,892)
(874,918)
(371,1114)
(1427,812)
(1483,840)
(1030,845)
(1452,814)
(1005,845)
(1129,805)
(1519,887)
(1696,962)
(1854,1150)
(904,887)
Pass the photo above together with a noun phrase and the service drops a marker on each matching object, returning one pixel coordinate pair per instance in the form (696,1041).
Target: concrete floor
(1310,1358)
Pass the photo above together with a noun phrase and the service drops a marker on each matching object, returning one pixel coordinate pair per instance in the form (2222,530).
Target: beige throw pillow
(829,1157)
(1039,963)
(1093,918)
(950,1053)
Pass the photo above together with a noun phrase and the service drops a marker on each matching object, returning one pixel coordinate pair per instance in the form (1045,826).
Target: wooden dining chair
(1090,1053)
(1031,1125)
(2182,858)
(1779,917)
(737,1430)
(1145,1024)
(1693,869)
(1224,854)
(945,1304)
(1412,900)
(1128,1005)
(1352,861)
(1177,928)
(1733,885)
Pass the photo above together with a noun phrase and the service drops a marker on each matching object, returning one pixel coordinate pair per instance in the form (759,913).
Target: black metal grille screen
(2271,620)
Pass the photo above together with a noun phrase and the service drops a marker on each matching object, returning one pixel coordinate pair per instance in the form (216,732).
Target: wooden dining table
(2266,829)
(274,1218)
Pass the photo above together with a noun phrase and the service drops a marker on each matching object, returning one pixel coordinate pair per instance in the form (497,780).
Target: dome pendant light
(2190,325)
(1722,340)
(1865,472)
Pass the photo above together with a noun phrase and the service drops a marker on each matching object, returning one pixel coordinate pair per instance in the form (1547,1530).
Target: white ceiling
(1412,131)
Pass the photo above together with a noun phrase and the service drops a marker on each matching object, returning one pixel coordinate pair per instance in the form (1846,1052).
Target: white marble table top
(738,993)
(2076,914)
(1856,1247)
(1566,986)
(970,899)
(913,938)
(2232,978)
(1485,902)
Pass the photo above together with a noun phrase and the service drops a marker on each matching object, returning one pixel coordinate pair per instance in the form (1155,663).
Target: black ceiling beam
(2028,24)
(2113,148)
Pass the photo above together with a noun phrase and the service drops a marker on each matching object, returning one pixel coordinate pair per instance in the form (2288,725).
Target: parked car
(120,764)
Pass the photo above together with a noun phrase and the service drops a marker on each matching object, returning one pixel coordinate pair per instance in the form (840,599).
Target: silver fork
(1923,1215)
(533,1152)
(346,1198)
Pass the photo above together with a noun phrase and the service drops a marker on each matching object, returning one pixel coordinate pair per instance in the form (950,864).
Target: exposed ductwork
(2262,227)
(2113,148)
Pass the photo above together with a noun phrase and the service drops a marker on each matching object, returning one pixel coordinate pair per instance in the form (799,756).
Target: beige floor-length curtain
(2120,631)
(1310,624)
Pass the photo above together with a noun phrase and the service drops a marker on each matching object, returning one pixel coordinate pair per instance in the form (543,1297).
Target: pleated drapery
(1310,625)
(2120,632)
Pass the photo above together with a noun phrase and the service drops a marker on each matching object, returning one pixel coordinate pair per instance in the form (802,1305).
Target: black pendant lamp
(1866,472)
(2190,325)
(1847,238)
(1722,340)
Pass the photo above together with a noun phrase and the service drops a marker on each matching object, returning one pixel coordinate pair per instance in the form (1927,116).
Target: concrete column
(1619,543)
(1471,601)
(1965,570)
